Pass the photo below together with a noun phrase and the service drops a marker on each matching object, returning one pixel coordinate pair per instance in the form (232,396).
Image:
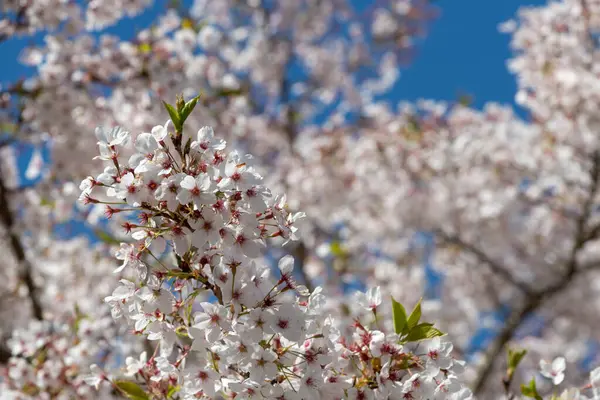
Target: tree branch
(535,300)
(299,254)
(582,236)
(7,220)
(496,267)
(593,233)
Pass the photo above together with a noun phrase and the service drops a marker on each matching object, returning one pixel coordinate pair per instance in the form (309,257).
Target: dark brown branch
(512,324)
(536,299)
(5,353)
(6,218)
(496,267)
(20,22)
(299,254)
(593,233)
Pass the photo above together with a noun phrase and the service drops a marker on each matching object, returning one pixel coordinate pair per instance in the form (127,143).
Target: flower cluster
(511,205)
(225,324)
(554,372)
(51,359)
(26,17)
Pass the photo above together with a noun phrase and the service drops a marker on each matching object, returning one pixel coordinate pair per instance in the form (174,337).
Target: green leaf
(180,274)
(465,100)
(172,391)
(182,331)
(297,117)
(8,128)
(415,315)
(530,390)
(174,116)
(187,23)
(413,125)
(145,48)
(132,390)
(514,358)
(336,249)
(423,331)
(229,92)
(44,201)
(399,316)
(79,316)
(30,389)
(188,108)
(105,237)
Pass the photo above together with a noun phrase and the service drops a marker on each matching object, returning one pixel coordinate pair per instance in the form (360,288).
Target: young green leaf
(79,316)
(145,48)
(514,358)
(172,391)
(132,390)
(423,331)
(44,201)
(336,249)
(8,128)
(105,237)
(415,316)
(399,316)
(229,92)
(187,109)
(174,116)
(530,390)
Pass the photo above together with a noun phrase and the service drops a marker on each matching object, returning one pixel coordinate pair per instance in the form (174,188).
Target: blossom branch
(536,299)
(17,247)
(495,266)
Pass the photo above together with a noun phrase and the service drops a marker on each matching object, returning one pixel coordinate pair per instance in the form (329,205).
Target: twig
(299,254)
(496,267)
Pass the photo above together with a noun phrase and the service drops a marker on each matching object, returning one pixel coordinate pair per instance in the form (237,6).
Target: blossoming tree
(509,206)
(203,218)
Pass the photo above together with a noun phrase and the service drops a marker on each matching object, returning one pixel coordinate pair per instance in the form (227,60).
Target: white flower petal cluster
(27,17)
(554,370)
(53,355)
(55,358)
(262,335)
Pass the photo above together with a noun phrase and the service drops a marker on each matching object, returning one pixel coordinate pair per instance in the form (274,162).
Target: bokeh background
(461,59)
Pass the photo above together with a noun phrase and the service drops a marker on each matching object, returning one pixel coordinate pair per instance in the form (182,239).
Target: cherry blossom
(554,370)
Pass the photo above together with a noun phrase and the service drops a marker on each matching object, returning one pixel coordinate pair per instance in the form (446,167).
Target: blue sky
(463,53)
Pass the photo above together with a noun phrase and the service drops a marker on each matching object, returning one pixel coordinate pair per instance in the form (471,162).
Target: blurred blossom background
(447,150)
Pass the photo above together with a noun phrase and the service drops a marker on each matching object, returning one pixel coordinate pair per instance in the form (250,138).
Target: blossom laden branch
(266,335)
(495,266)
(534,300)
(7,219)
